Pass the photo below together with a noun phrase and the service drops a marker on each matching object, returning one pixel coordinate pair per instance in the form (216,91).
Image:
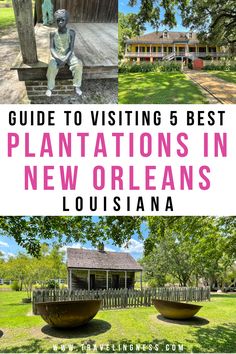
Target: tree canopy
(127,28)
(189,248)
(214,20)
(31,232)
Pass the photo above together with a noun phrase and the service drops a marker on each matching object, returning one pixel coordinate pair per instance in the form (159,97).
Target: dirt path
(13,91)
(220,90)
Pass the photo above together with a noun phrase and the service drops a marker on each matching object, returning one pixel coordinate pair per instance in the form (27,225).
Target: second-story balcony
(172,55)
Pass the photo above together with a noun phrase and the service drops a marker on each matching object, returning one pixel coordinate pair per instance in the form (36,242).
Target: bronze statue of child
(62,52)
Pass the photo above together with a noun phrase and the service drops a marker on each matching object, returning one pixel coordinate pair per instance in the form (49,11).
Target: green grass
(157,87)
(7,18)
(214,332)
(229,76)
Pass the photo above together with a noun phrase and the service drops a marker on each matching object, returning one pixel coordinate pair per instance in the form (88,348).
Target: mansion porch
(169,46)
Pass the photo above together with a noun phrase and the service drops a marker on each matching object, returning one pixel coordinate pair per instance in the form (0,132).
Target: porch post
(141,280)
(162,49)
(24,22)
(70,279)
(125,279)
(88,279)
(107,280)
(206,49)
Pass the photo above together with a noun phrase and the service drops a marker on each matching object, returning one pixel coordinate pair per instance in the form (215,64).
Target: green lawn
(229,76)
(214,332)
(7,18)
(163,87)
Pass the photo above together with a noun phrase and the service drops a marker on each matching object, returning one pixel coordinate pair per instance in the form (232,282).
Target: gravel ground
(13,91)
(94,91)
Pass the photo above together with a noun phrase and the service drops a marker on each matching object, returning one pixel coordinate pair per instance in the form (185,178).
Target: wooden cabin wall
(80,279)
(84,10)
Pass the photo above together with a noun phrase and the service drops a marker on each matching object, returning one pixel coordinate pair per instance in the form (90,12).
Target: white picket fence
(123,298)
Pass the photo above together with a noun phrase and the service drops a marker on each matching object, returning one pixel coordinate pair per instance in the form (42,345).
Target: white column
(138,49)
(107,280)
(141,280)
(186,49)
(89,279)
(125,279)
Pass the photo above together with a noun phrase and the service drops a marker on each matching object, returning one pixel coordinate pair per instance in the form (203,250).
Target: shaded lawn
(161,87)
(229,76)
(214,332)
(7,18)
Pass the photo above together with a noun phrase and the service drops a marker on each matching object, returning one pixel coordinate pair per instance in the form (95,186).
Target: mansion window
(165,34)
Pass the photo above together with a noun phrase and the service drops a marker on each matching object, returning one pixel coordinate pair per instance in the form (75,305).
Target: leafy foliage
(165,66)
(221,65)
(127,28)
(189,248)
(31,232)
(214,20)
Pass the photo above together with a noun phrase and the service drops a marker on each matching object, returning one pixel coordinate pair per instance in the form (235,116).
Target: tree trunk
(24,22)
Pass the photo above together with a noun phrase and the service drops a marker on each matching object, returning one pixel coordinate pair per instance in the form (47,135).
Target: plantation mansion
(168,45)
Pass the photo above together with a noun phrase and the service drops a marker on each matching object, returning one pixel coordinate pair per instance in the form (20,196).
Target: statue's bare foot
(78,91)
(49,93)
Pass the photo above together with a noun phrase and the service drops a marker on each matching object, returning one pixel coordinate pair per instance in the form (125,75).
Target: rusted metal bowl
(176,310)
(68,313)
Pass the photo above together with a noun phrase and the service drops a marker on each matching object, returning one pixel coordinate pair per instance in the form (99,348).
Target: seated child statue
(62,52)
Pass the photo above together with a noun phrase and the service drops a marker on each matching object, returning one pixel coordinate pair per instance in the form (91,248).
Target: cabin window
(159,49)
(136,49)
(154,49)
(192,49)
(142,49)
(190,35)
(170,49)
(202,49)
(148,49)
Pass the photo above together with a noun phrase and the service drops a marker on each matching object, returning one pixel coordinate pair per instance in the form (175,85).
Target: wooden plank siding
(123,298)
(96,45)
(84,10)
(80,279)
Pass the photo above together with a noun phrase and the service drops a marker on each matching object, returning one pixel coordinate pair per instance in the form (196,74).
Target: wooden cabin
(96,27)
(99,269)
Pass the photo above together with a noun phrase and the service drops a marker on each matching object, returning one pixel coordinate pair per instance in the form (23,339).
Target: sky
(125,8)
(9,247)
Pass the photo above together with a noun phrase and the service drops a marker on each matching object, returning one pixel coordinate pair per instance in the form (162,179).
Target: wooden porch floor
(96,44)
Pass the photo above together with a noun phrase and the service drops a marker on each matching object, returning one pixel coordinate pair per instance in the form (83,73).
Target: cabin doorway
(115,281)
(92,281)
